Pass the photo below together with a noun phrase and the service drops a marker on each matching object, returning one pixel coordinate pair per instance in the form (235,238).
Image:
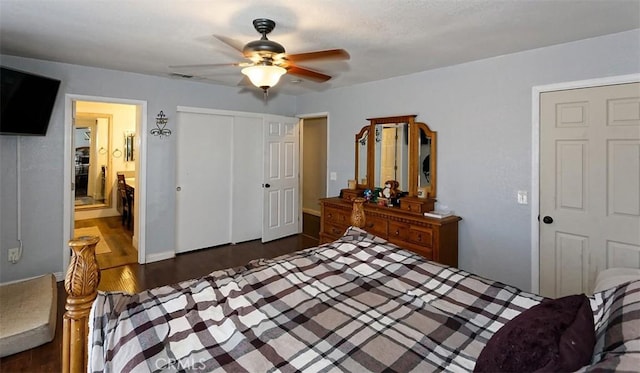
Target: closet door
(203,162)
(246,190)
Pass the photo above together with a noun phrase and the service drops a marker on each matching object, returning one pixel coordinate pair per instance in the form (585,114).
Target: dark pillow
(554,336)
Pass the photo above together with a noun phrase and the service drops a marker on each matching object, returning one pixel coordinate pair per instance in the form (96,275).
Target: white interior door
(589,185)
(203,162)
(281,178)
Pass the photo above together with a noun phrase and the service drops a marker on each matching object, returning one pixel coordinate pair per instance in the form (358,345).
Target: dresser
(434,239)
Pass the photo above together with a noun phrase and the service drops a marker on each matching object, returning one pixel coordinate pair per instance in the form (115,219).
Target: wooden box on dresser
(435,239)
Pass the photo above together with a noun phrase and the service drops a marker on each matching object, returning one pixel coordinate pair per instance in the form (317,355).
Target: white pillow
(613,277)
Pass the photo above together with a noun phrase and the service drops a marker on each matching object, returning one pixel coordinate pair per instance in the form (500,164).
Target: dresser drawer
(376,225)
(398,231)
(351,194)
(337,217)
(335,230)
(418,205)
(427,253)
(421,236)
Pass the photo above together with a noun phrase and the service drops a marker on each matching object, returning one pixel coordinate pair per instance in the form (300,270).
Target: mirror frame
(359,136)
(414,152)
(129,140)
(108,189)
(414,167)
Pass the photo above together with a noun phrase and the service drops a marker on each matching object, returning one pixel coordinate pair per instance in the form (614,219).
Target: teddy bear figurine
(390,189)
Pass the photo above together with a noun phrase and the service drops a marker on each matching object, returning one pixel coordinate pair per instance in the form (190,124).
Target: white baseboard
(59,276)
(160,256)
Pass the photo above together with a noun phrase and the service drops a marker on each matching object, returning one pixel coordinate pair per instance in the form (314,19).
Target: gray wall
(481,110)
(42,158)
(482,113)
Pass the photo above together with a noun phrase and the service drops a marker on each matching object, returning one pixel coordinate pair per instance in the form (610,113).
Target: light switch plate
(523,198)
(333,175)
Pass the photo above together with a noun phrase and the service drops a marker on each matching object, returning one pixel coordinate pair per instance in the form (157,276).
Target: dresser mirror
(391,154)
(397,148)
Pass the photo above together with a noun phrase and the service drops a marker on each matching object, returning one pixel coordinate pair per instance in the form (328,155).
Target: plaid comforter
(357,304)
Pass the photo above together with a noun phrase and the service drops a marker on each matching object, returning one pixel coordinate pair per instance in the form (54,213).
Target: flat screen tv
(27,102)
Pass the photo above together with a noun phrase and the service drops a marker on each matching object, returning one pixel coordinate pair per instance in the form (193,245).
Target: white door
(203,168)
(589,185)
(281,178)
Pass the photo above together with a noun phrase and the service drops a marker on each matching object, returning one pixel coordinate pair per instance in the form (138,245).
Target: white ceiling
(385,38)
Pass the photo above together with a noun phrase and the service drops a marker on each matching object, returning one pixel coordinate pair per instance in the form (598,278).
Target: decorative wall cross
(161,123)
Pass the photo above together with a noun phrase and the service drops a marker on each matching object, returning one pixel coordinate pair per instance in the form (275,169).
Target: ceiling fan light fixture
(264,76)
(268,61)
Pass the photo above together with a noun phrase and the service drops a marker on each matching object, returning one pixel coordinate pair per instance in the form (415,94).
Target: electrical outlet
(14,254)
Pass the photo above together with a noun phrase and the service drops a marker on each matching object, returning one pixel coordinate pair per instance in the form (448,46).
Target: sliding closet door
(203,162)
(246,190)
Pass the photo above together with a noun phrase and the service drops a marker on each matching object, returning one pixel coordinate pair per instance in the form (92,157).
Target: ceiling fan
(269,60)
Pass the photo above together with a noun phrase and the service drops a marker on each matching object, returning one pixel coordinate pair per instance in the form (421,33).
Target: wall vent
(183,76)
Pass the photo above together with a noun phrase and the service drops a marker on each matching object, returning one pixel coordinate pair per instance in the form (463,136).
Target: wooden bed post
(81,283)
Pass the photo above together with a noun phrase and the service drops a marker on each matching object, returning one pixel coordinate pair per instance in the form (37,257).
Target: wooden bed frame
(81,283)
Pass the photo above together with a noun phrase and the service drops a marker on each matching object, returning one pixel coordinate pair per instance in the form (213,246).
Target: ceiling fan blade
(230,42)
(306,73)
(334,54)
(204,66)
(194,77)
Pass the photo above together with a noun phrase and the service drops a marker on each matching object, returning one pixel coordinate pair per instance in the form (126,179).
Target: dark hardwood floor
(135,277)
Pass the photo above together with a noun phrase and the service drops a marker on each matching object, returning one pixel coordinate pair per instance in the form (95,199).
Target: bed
(357,304)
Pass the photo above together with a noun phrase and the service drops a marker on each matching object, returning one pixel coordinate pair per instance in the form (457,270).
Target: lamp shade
(264,75)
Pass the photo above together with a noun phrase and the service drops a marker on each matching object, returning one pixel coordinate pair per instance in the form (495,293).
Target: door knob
(547,220)
(266,185)
(178,189)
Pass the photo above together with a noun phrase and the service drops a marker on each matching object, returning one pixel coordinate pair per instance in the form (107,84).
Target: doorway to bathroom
(105,147)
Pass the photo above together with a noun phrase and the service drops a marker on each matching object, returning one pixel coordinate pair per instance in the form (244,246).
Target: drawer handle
(420,237)
(329,215)
(335,231)
(397,232)
(370,225)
